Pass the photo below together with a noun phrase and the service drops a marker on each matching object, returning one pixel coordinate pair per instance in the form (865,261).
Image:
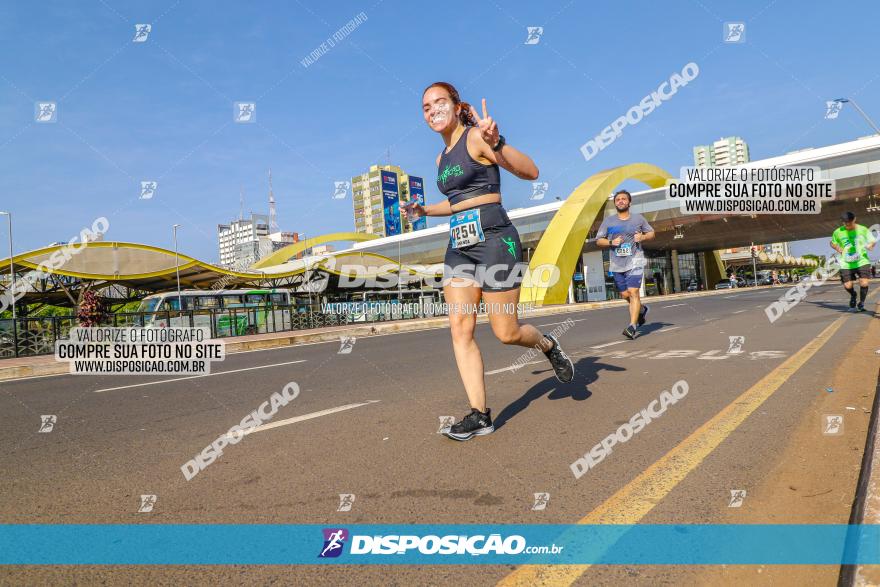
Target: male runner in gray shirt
(625,233)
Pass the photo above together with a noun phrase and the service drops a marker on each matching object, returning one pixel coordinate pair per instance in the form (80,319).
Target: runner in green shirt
(853,241)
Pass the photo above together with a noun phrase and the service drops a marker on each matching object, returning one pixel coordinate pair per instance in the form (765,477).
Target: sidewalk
(866,509)
(43,365)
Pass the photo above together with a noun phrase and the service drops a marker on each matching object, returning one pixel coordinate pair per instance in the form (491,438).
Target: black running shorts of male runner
(495,264)
(863,272)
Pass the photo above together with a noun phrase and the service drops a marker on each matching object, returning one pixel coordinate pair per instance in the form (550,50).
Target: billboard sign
(391,202)
(417,193)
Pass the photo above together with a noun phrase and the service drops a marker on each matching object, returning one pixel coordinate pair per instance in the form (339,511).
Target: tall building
(240,240)
(243,242)
(377,197)
(725,151)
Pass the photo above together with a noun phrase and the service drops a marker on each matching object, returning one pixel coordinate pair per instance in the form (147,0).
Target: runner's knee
(462,327)
(508,335)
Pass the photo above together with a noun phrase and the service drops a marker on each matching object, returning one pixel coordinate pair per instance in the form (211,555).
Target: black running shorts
(495,264)
(863,272)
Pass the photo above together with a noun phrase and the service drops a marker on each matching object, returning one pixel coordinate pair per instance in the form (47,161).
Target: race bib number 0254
(465,229)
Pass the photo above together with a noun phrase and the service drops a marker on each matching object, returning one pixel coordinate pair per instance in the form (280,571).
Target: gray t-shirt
(629,254)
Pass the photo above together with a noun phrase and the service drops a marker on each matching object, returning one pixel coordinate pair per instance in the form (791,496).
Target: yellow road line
(633,501)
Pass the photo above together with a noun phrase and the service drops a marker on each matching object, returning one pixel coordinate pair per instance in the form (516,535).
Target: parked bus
(233,311)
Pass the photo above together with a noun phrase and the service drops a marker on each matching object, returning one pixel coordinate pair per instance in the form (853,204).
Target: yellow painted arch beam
(284,254)
(564,238)
(31,260)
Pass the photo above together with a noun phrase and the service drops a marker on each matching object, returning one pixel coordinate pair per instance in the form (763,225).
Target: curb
(368,329)
(865,506)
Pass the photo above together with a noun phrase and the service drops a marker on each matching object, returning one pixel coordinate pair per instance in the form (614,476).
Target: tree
(91,311)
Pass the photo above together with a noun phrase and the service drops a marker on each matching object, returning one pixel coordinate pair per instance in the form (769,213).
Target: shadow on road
(650,327)
(586,372)
(840,307)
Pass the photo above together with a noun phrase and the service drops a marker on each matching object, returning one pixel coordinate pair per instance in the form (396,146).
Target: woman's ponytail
(466,116)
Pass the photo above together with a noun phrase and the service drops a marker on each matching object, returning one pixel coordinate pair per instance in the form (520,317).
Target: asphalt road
(117,438)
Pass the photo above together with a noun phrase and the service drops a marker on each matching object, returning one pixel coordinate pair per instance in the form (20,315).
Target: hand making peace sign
(487,126)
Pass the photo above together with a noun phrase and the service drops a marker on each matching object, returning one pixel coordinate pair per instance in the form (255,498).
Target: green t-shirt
(854,244)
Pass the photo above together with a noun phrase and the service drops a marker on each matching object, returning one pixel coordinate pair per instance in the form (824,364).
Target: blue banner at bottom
(266,544)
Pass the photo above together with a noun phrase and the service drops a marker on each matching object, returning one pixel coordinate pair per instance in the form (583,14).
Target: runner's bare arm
(443,208)
(641,237)
(511,159)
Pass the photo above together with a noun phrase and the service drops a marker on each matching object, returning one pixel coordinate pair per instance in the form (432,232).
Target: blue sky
(163,109)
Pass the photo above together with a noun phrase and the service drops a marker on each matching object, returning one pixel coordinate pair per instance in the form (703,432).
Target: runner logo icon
(47,423)
(737,496)
(736,345)
(346,500)
(334,540)
(511,245)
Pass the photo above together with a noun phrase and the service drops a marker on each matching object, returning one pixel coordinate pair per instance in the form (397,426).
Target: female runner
(484,258)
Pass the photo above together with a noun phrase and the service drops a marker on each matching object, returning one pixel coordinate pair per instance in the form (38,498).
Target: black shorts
(863,272)
(496,263)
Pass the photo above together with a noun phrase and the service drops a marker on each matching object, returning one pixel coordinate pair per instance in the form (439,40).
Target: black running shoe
(631,332)
(562,365)
(643,314)
(861,307)
(474,424)
(852,302)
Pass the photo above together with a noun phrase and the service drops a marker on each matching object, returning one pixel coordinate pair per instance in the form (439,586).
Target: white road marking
(197,376)
(602,346)
(511,368)
(555,323)
(731,297)
(667,329)
(673,305)
(296,419)
(740,311)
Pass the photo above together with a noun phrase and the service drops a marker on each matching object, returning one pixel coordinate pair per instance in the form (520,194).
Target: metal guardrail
(30,336)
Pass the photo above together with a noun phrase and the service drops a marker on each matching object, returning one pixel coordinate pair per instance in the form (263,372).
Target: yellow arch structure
(155,269)
(136,256)
(282,255)
(565,235)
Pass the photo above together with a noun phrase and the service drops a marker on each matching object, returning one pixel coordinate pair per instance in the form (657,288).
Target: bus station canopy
(152,269)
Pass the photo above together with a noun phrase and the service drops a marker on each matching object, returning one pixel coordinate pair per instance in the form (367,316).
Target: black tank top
(461,178)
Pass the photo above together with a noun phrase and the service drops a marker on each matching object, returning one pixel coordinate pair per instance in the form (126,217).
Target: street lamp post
(11,266)
(177,267)
(399,272)
(11,291)
(862,112)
